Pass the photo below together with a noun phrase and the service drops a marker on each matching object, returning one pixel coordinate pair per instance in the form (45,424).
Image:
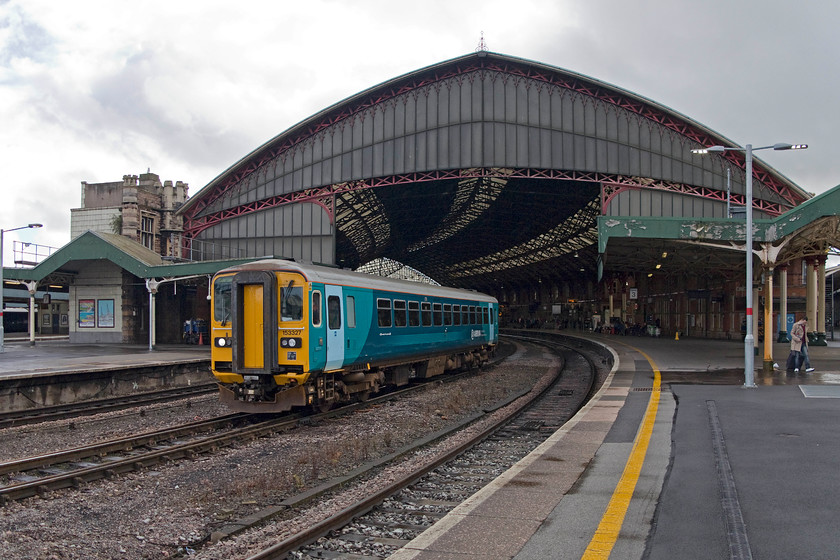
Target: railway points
(778,440)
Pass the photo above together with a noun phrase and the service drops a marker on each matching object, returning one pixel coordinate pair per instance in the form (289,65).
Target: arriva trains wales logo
(476,334)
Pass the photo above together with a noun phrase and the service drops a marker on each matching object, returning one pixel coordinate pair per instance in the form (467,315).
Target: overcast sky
(94,90)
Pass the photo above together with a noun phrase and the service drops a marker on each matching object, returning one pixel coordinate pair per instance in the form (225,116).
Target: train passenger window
(447,313)
(472,315)
(400,319)
(456,314)
(316,309)
(351,312)
(413,314)
(465,314)
(438,314)
(383,312)
(426,313)
(334,312)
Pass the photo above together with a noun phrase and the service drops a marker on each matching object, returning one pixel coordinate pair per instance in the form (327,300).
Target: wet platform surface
(58,355)
(726,471)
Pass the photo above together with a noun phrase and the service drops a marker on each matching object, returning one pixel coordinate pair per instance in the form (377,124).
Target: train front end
(260,338)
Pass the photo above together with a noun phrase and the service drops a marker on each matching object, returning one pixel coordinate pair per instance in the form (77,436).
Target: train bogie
(287,335)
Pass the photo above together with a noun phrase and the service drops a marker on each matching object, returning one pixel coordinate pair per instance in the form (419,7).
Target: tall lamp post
(2,327)
(749,339)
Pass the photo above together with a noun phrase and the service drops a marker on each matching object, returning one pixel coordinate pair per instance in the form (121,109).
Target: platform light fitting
(749,373)
(777,147)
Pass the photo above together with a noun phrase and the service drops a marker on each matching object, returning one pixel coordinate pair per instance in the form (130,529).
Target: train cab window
(383,312)
(438,314)
(334,312)
(413,314)
(316,309)
(447,313)
(351,312)
(472,315)
(426,313)
(400,318)
(221,299)
(291,303)
(456,314)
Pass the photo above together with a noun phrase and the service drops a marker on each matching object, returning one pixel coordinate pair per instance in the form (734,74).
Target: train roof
(328,275)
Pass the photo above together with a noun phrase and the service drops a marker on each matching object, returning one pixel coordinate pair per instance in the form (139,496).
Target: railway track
(395,512)
(43,474)
(98,406)
(72,468)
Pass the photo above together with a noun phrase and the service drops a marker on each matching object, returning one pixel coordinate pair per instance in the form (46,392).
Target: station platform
(56,355)
(55,372)
(674,458)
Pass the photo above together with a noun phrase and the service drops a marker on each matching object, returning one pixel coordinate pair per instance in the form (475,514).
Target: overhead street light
(749,339)
(2,327)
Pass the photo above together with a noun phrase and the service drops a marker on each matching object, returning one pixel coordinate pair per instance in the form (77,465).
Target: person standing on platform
(797,338)
(806,359)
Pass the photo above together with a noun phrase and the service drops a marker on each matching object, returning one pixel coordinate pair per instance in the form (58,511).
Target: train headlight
(291,342)
(222,342)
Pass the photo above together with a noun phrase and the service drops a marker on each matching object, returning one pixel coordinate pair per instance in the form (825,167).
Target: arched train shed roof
(478,171)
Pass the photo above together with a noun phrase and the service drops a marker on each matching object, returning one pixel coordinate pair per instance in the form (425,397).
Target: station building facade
(141,208)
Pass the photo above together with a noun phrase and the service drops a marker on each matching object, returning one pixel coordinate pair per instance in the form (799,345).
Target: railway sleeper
(391,525)
(412,512)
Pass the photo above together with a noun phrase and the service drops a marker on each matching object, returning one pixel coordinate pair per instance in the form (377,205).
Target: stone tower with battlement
(138,207)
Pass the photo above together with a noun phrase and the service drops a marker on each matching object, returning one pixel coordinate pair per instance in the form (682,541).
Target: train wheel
(325,406)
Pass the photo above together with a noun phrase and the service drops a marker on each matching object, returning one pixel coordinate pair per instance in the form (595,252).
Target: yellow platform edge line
(606,535)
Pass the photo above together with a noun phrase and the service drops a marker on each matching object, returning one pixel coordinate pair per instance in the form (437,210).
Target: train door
(318,336)
(254,321)
(335,327)
(493,317)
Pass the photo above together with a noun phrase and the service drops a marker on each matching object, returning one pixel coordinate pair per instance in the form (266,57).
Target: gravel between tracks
(164,512)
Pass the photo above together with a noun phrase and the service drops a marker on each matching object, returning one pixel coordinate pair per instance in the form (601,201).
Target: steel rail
(75,478)
(120,444)
(315,531)
(88,408)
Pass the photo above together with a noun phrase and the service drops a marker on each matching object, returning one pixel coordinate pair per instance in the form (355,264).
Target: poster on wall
(105,313)
(87,313)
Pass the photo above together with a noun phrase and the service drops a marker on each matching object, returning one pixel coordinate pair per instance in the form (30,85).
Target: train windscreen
(291,302)
(221,299)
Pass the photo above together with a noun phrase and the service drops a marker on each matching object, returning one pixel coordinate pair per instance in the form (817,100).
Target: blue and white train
(289,335)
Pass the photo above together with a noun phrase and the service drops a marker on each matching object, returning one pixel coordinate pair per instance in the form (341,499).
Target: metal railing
(30,254)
